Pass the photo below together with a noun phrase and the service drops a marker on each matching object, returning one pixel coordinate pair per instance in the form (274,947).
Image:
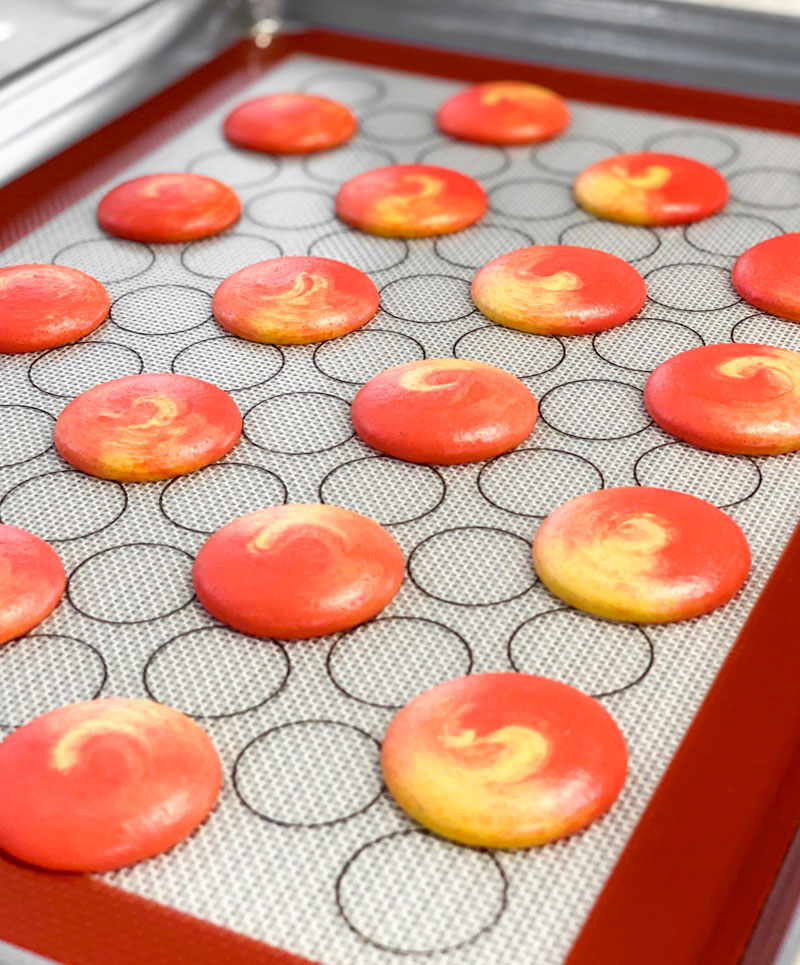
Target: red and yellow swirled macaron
(410,201)
(558,290)
(166,208)
(103,783)
(44,306)
(503,112)
(31,581)
(734,398)
(298,571)
(768,276)
(641,554)
(651,189)
(145,427)
(290,123)
(444,411)
(504,760)
(294,300)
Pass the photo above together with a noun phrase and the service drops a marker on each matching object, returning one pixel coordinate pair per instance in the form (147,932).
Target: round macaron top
(558,290)
(641,554)
(295,299)
(733,397)
(44,306)
(651,189)
(410,201)
(444,411)
(31,581)
(103,783)
(503,112)
(289,123)
(298,571)
(504,760)
(145,427)
(168,207)
(768,276)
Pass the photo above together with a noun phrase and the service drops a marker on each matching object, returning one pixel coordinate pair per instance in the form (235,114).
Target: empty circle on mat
(25,433)
(645,343)
(291,208)
(519,353)
(45,671)
(413,893)
(357,357)
(427,298)
(161,309)
(309,773)
(626,241)
(229,362)
(730,234)
(107,259)
(216,672)
(531,198)
(594,409)
(207,499)
(474,246)
(534,482)
(237,169)
(766,187)
(766,329)
(388,661)
(691,287)
(335,167)
(570,155)
(476,160)
(64,504)
(706,146)
(398,124)
(69,371)
(386,490)
(222,256)
(353,89)
(599,657)
(132,583)
(719,479)
(472,566)
(362,251)
(299,422)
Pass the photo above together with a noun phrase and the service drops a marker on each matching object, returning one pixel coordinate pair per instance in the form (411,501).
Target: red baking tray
(690,884)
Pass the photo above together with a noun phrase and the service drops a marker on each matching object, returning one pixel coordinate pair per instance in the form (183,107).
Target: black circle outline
(364,237)
(394,108)
(481,224)
(216,338)
(58,395)
(760,169)
(497,327)
(433,951)
(301,824)
(450,143)
(519,217)
(681,442)
(572,435)
(301,189)
(683,131)
(513,452)
(232,234)
(282,395)
(426,274)
(455,529)
(596,221)
(693,264)
(179,331)
(205,629)
(772,318)
(642,318)
(726,214)
(113,281)
(306,160)
(363,331)
(380,85)
(34,408)
(126,623)
(415,619)
(555,142)
(276,160)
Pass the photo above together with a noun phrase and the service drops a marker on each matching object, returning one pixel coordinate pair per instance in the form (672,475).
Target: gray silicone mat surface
(305,849)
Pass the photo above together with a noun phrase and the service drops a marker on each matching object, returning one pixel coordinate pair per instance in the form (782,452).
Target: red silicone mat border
(689,886)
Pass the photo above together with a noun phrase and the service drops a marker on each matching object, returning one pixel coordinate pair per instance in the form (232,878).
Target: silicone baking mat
(305,850)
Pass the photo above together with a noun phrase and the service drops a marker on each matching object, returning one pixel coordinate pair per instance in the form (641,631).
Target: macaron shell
(444,411)
(295,300)
(651,189)
(145,427)
(641,554)
(44,306)
(164,208)
(504,760)
(104,783)
(298,571)
(503,112)
(290,123)
(735,398)
(558,290)
(410,201)
(32,581)
(768,276)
